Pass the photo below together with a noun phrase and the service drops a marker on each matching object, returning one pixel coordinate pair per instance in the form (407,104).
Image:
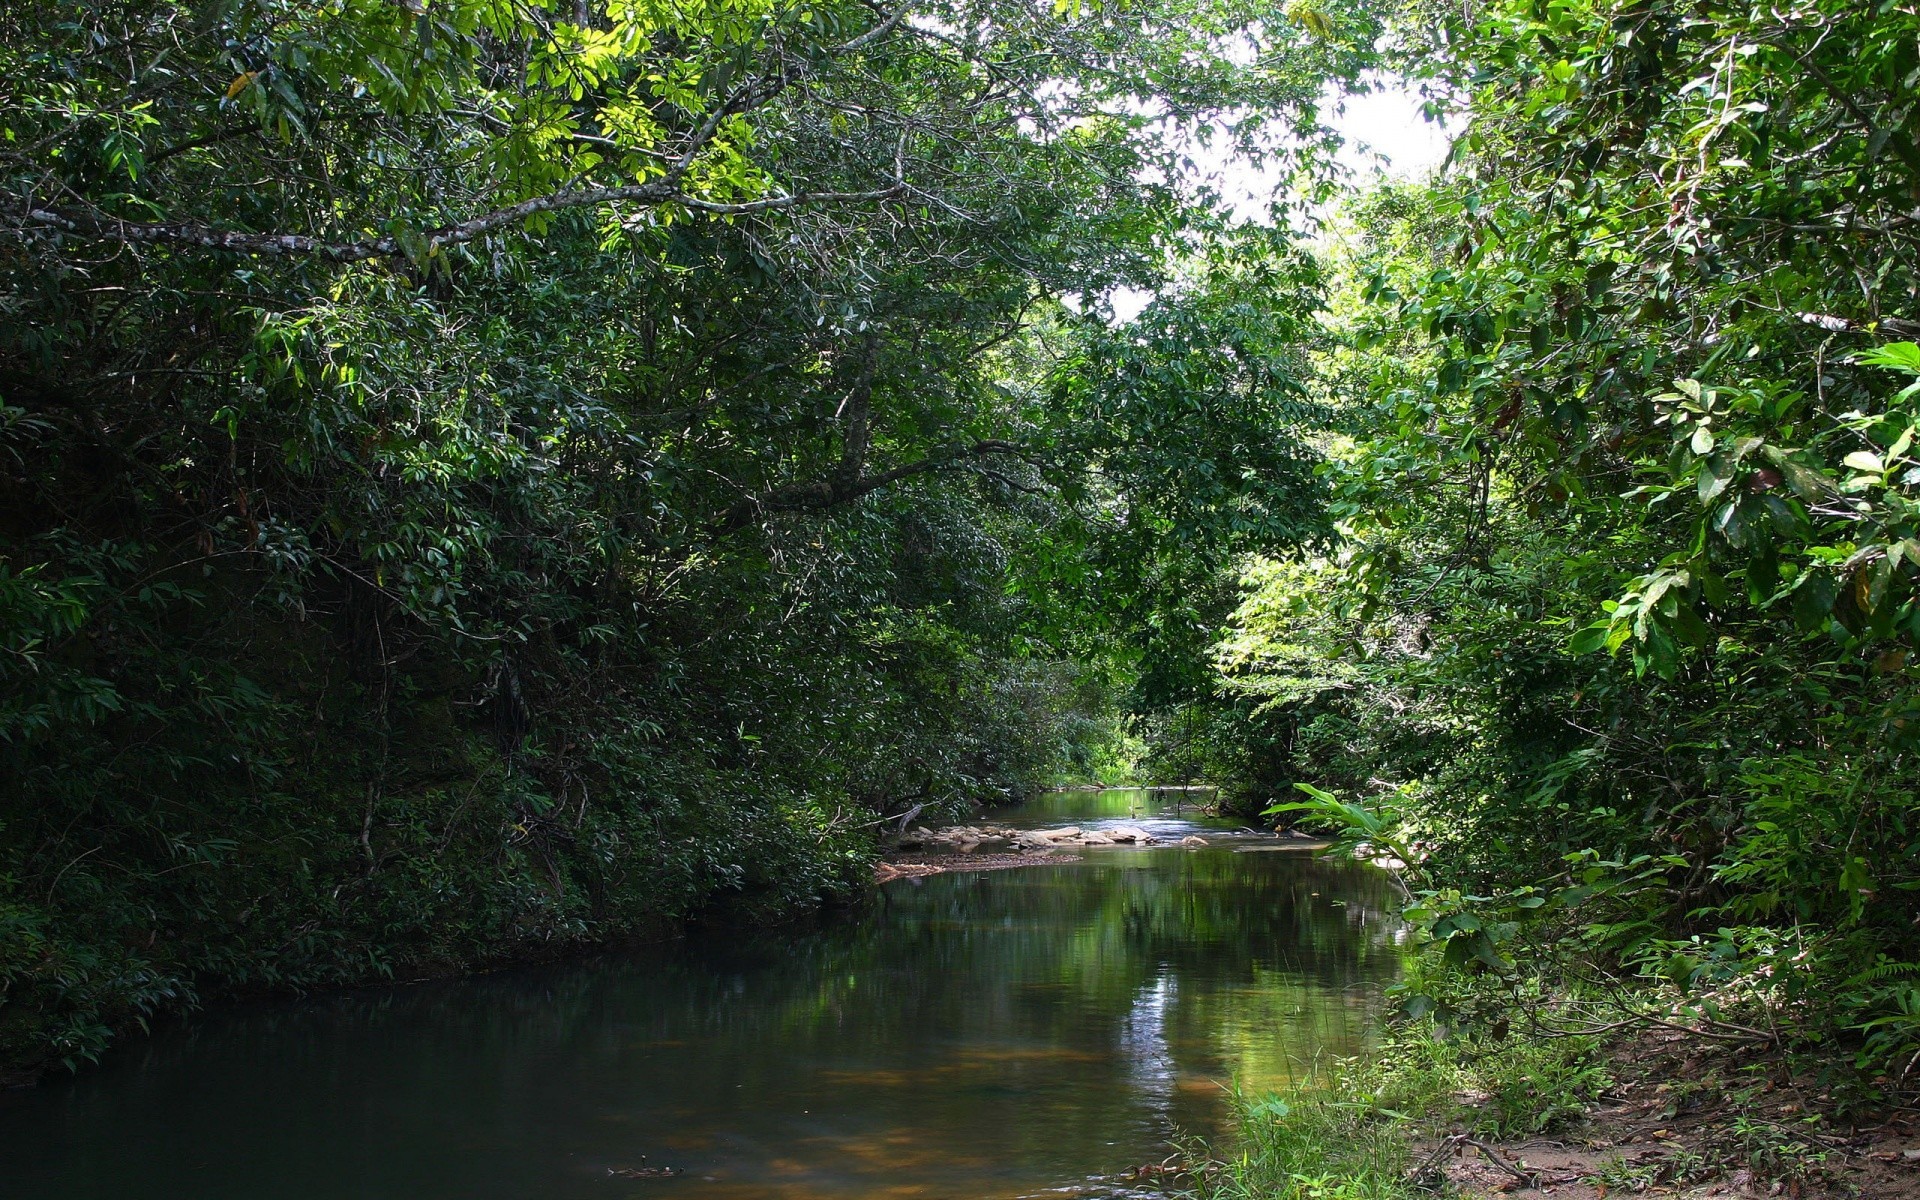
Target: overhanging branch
(102,227)
(841,488)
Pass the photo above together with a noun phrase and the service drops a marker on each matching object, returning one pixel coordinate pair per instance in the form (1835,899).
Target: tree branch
(854,413)
(100,227)
(1903,148)
(839,488)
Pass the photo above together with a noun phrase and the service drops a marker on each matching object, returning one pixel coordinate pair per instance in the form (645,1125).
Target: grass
(1314,1143)
(1348,1133)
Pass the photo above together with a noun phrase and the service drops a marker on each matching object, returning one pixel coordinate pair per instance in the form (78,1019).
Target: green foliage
(1618,637)
(1196,414)
(1355,826)
(1345,1132)
(1321,1141)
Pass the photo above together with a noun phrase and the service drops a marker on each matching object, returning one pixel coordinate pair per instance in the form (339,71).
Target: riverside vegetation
(486,477)
(1616,649)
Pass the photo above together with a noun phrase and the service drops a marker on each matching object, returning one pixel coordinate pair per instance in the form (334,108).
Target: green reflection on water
(1117,804)
(971,1035)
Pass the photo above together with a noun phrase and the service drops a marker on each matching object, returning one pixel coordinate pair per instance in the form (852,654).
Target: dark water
(1020,1033)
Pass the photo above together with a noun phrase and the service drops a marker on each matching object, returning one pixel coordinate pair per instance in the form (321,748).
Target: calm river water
(972,1036)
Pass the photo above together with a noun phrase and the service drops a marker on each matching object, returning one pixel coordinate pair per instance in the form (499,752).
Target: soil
(1695,1119)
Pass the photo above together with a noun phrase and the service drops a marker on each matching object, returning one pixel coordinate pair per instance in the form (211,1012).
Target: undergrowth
(1348,1132)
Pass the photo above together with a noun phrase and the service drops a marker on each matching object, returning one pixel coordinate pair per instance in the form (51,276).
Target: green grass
(1319,1141)
(1347,1133)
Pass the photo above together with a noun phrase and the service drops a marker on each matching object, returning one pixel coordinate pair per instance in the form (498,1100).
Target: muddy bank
(1689,1116)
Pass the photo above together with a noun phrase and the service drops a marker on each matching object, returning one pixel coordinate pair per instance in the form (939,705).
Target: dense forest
(480,477)
(487,477)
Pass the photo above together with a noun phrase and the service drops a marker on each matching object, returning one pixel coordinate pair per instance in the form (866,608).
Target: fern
(1882,971)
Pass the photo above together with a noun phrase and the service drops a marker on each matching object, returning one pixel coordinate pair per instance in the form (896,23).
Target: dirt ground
(1696,1120)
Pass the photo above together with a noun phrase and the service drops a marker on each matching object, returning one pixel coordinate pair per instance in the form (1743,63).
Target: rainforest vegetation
(479,477)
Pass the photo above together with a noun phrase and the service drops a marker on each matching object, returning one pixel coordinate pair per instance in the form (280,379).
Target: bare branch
(873,35)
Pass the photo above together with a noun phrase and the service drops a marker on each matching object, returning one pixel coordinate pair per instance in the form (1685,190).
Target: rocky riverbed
(923,851)
(1001,839)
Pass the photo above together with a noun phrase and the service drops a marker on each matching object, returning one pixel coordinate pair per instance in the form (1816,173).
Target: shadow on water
(1003,1034)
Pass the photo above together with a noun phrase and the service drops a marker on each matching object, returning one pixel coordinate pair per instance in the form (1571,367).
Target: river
(1037,1032)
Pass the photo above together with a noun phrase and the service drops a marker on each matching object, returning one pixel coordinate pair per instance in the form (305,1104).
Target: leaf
(240,83)
(1865,460)
(1712,482)
(1809,483)
(1871,584)
(1310,19)
(1899,356)
(1593,637)
(1813,597)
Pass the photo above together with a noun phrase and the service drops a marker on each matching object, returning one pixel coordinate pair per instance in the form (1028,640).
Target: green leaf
(1813,598)
(1593,637)
(1899,356)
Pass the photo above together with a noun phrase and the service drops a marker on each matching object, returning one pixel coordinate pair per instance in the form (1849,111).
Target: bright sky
(1389,120)
(1385,132)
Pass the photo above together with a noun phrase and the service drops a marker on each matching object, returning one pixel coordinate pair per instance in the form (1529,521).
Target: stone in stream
(644,1172)
(1193,839)
(968,839)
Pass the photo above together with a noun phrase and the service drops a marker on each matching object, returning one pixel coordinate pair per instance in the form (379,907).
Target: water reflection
(1169,813)
(973,1035)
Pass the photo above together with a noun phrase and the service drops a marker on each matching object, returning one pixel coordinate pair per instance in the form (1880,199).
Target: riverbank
(919,866)
(988,847)
(1655,1110)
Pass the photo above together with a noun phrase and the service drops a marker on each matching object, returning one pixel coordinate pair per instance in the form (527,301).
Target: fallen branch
(1458,1141)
